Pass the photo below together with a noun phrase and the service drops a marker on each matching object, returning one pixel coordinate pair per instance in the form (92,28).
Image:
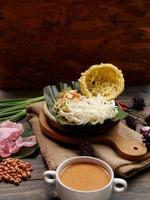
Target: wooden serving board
(121,138)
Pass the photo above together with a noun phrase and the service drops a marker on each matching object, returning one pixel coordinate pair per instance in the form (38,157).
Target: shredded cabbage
(81,110)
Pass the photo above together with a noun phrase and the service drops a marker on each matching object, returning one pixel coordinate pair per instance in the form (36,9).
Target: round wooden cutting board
(121,138)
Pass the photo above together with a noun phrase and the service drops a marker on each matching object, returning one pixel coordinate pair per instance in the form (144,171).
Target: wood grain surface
(46,41)
(36,189)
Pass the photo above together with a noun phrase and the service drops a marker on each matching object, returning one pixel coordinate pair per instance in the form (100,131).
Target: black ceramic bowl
(51,93)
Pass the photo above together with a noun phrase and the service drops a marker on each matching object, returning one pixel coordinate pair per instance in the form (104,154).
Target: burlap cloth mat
(54,153)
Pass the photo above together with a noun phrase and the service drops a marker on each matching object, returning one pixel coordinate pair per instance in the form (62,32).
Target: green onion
(15,109)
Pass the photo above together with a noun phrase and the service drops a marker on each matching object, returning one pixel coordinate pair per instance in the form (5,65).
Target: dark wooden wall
(45,41)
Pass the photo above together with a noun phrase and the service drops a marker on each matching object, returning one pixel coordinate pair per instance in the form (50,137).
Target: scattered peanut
(14,170)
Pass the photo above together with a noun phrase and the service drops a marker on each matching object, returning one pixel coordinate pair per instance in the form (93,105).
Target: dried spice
(14,170)
(136,115)
(147,120)
(138,103)
(86,149)
(131,122)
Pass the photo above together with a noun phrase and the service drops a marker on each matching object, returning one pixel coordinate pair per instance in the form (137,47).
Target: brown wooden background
(45,41)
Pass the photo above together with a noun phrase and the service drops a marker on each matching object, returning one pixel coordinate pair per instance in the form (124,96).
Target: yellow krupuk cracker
(104,79)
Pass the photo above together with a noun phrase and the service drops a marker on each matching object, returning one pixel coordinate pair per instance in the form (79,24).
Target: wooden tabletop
(36,189)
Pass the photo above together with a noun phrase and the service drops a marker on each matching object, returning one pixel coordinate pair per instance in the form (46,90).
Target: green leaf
(25,151)
(15,109)
(121,115)
(51,93)
(28,132)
